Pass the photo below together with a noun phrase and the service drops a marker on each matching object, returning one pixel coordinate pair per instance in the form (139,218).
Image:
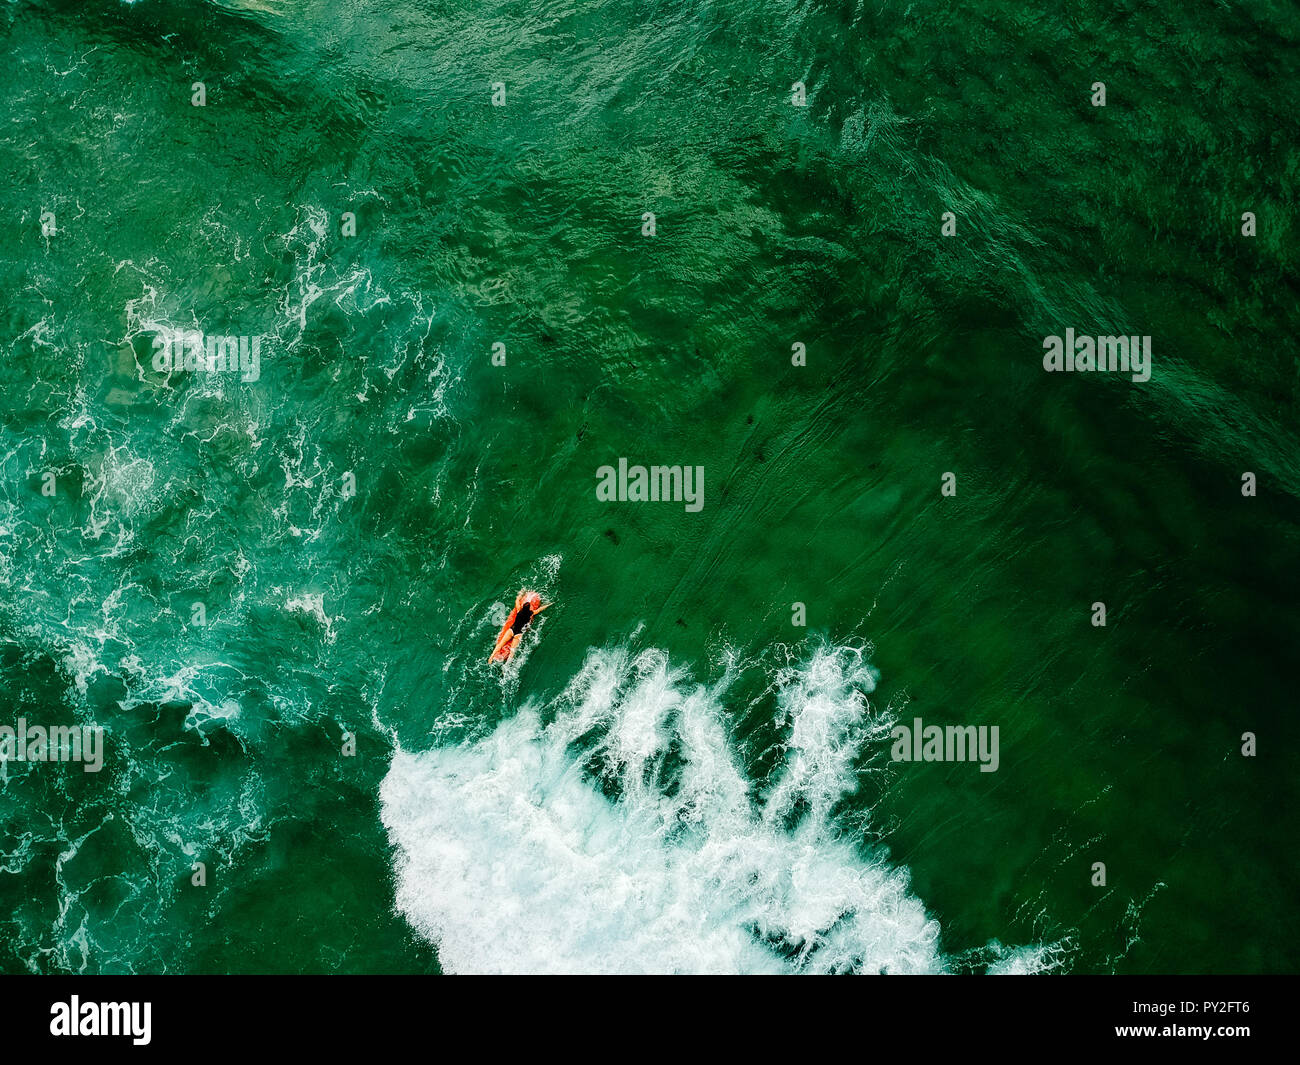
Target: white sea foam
(1036,958)
(625,836)
(313,605)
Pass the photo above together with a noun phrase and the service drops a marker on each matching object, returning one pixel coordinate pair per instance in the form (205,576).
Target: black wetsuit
(522,618)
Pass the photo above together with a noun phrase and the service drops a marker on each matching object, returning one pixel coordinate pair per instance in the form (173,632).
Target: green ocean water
(671,776)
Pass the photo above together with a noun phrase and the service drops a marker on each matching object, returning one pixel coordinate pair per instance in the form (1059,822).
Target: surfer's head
(534,601)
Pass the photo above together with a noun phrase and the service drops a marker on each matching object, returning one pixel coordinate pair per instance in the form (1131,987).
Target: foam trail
(530,851)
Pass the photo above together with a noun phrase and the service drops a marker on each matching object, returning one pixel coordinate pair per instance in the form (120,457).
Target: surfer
(527,606)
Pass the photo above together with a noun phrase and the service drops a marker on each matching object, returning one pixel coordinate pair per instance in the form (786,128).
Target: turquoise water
(670,776)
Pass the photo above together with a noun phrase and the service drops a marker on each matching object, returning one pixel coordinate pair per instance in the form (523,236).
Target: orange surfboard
(508,639)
